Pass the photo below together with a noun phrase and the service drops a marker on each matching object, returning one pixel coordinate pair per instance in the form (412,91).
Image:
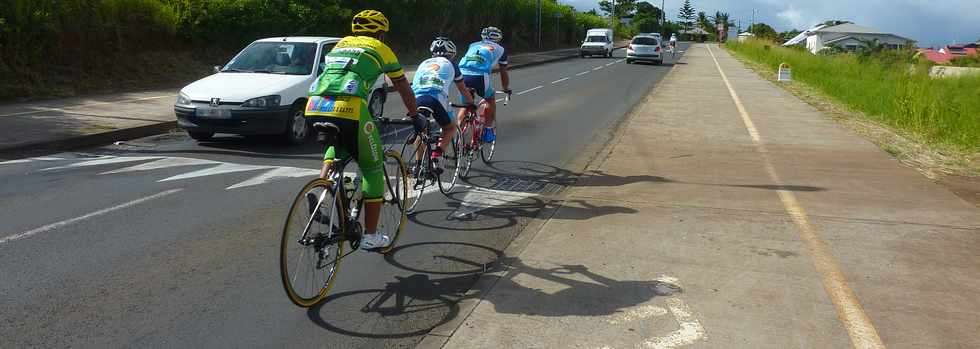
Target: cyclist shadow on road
(423,302)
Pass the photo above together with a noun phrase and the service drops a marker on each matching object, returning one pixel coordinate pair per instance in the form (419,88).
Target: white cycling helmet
(492,33)
(443,47)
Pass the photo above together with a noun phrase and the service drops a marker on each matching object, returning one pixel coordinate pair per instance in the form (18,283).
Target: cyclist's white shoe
(375,241)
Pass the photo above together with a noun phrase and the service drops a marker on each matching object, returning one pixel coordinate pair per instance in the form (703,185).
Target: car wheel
(376,105)
(581,55)
(609,54)
(658,62)
(629,61)
(297,130)
(201,136)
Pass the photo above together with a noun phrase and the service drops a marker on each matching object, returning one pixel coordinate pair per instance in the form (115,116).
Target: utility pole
(753,20)
(557,29)
(663,17)
(539,24)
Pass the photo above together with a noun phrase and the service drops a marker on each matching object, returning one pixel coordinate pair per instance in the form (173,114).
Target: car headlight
(262,102)
(183,100)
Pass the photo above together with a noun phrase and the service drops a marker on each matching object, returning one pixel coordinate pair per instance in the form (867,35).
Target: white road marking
(66,222)
(528,90)
(560,80)
(690,331)
(620,61)
(478,199)
(163,163)
(220,169)
(102,160)
(582,73)
(49,109)
(849,310)
(642,312)
(18,161)
(597,68)
(276,174)
(610,64)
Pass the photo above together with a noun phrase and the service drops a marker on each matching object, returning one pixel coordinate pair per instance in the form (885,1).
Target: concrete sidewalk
(45,126)
(729,214)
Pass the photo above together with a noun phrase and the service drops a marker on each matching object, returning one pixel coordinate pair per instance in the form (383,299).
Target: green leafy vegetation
(885,86)
(52,48)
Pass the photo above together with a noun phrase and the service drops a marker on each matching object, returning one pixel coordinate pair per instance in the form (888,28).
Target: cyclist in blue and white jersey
(433,79)
(477,65)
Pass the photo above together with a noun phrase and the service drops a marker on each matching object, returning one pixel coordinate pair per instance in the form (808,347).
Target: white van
(262,91)
(598,42)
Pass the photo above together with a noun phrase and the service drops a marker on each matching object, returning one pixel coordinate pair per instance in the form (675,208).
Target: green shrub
(944,112)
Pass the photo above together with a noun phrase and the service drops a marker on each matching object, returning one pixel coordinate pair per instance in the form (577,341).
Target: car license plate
(216,113)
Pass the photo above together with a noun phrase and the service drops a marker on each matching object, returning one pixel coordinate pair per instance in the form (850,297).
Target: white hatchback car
(644,48)
(262,91)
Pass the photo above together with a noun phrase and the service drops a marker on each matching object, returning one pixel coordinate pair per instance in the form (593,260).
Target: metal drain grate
(526,185)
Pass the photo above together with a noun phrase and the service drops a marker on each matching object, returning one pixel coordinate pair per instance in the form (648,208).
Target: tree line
(78,39)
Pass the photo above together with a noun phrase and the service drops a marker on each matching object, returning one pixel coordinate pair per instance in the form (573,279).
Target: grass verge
(930,124)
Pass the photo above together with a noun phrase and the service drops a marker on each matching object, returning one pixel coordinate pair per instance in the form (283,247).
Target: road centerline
(849,310)
(69,221)
(529,90)
(561,80)
(582,73)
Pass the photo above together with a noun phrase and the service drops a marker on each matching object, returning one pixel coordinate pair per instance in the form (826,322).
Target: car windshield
(644,41)
(290,58)
(596,38)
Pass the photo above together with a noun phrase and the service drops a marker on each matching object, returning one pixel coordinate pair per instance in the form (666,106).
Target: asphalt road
(164,242)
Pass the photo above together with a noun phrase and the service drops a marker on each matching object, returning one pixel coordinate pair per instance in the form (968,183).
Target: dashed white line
(610,64)
(597,68)
(582,73)
(63,223)
(528,90)
(560,80)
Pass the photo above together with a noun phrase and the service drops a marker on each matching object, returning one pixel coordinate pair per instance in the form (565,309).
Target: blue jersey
(481,57)
(434,77)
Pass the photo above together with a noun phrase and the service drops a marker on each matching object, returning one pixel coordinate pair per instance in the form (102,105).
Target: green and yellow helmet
(369,21)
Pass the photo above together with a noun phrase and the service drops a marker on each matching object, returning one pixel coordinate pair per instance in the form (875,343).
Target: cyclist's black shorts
(438,110)
(481,83)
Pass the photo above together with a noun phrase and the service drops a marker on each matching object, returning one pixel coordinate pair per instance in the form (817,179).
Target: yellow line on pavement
(849,310)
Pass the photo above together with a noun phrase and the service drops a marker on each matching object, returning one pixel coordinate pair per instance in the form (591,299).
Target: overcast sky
(930,22)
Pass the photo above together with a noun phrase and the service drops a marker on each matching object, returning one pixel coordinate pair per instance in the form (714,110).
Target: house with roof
(947,53)
(845,35)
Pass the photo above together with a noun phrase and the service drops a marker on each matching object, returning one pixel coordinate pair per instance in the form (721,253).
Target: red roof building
(946,54)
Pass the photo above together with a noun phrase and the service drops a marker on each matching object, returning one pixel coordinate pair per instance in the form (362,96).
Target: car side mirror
(217,69)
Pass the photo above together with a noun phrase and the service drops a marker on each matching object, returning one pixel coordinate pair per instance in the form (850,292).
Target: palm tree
(870,47)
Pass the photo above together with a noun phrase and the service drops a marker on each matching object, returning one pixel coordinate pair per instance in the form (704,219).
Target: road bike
(425,171)
(470,136)
(325,215)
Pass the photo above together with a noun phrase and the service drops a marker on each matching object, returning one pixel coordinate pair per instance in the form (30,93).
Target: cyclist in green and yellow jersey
(340,97)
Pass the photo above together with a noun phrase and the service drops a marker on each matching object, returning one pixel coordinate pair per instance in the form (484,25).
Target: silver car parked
(644,48)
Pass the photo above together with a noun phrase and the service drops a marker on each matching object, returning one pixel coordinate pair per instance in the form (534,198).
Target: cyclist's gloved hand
(418,122)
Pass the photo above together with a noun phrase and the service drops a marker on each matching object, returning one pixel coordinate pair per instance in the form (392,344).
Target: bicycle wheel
(311,246)
(417,163)
(487,148)
(394,213)
(467,152)
(449,165)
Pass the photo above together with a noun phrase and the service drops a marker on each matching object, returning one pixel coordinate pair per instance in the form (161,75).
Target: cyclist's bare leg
(372,210)
(448,132)
(491,111)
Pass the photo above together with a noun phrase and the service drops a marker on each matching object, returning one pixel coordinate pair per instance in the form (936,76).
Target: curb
(439,336)
(95,139)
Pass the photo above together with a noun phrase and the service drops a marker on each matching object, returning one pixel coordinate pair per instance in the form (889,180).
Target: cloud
(794,17)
